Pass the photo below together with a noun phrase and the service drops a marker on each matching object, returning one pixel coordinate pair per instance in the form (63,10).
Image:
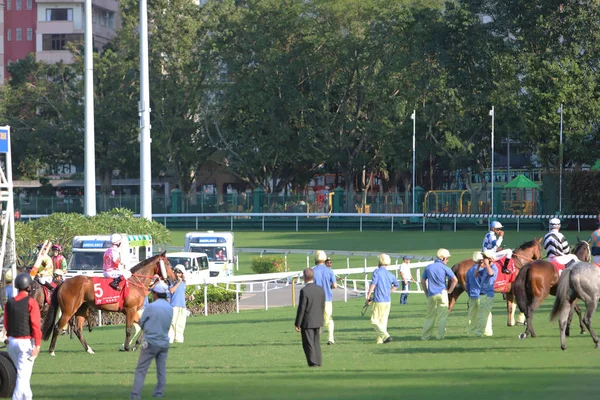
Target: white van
(88,252)
(196,266)
(218,246)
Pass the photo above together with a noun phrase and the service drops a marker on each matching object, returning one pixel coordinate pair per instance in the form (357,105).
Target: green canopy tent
(524,199)
(596,166)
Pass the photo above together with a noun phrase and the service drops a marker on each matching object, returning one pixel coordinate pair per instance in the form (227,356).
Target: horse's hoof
(520,324)
(522,336)
(89,350)
(583,332)
(597,345)
(509,324)
(563,348)
(52,354)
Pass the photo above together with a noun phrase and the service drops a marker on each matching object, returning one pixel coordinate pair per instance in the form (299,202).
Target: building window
(59,14)
(18,34)
(8,5)
(18,5)
(59,41)
(103,18)
(9,35)
(30,34)
(29,4)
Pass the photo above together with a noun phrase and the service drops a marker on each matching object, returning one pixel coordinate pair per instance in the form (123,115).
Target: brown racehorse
(527,252)
(76,295)
(539,279)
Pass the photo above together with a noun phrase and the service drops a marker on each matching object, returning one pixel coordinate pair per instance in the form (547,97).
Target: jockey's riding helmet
(116,238)
(496,225)
(57,247)
(59,272)
(23,281)
(555,222)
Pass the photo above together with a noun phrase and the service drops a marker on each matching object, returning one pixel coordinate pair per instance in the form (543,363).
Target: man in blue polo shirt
(325,278)
(383,283)
(473,289)
(488,273)
(434,280)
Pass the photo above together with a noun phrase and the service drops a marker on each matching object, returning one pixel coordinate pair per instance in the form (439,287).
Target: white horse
(581,281)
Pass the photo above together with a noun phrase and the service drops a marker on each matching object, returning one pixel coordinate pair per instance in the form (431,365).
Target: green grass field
(258,355)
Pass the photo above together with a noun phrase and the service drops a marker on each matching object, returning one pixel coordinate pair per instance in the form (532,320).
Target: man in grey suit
(309,318)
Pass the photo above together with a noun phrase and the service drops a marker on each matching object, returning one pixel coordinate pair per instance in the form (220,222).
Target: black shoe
(115,283)
(506,271)
(388,340)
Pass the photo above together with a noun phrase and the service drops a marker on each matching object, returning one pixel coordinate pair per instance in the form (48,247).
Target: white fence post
(205,299)
(237,297)
(266,287)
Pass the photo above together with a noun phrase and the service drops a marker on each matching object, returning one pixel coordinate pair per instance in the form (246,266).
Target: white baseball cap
(320,255)
(384,259)
(443,253)
(160,287)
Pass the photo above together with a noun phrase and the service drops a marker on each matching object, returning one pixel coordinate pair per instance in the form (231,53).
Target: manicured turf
(258,355)
(461,244)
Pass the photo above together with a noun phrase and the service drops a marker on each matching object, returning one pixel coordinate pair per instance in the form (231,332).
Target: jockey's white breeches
(564,260)
(44,279)
(504,253)
(115,273)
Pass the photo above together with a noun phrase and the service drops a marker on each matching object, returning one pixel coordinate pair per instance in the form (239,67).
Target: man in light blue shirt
(383,283)
(488,273)
(325,278)
(473,289)
(434,280)
(155,322)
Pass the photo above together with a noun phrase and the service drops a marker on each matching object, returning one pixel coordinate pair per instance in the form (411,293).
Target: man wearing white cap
(155,321)
(433,282)
(383,283)
(556,245)
(493,241)
(112,265)
(325,278)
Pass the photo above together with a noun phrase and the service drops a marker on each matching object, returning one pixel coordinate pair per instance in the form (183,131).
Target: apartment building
(46,27)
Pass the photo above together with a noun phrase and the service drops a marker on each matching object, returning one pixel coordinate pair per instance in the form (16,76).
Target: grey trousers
(146,356)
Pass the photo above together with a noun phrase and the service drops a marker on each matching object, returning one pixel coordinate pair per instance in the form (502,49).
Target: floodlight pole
(492,176)
(89,191)
(414,162)
(560,160)
(144,110)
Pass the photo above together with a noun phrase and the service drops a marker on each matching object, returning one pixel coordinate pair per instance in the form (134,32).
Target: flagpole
(414,163)
(492,176)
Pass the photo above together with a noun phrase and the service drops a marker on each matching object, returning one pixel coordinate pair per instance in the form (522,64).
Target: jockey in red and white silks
(556,245)
(112,265)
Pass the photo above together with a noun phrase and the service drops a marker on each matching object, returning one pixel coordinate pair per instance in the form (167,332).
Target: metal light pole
(492,176)
(560,158)
(414,118)
(144,110)
(89,191)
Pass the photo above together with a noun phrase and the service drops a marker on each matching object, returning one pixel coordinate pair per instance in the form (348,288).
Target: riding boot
(49,286)
(505,269)
(115,283)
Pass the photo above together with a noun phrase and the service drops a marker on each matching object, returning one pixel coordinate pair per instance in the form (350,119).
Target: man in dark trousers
(309,318)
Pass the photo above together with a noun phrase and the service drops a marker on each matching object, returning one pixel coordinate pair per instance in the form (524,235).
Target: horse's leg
(454,297)
(562,323)
(510,308)
(590,308)
(78,328)
(63,321)
(130,316)
(578,311)
(569,320)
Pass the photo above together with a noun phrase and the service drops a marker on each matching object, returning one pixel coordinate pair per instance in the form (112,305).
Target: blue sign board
(93,244)
(3,140)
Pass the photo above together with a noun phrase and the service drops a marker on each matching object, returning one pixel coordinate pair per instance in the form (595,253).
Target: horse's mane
(144,263)
(528,245)
(579,245)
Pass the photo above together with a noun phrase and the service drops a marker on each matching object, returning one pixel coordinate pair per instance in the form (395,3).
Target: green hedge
(268,264)
(216,294)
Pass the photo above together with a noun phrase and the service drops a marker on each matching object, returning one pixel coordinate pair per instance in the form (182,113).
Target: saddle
(503,280)
(105,294)
(559,267)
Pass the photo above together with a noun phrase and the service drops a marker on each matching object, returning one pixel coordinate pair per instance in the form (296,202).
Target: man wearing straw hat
(433,282)
(383,283)
(325,278)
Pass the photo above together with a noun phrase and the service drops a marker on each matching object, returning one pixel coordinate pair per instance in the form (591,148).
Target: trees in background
(277,91)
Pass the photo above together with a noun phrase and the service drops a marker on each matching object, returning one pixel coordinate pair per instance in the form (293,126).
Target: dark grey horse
(581,281)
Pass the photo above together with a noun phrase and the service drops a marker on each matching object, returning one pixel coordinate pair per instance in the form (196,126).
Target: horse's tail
(49,321)
(519,287)
(562,292)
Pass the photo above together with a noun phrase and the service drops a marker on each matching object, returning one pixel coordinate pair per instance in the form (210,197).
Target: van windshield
(86,261)
(213,253)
